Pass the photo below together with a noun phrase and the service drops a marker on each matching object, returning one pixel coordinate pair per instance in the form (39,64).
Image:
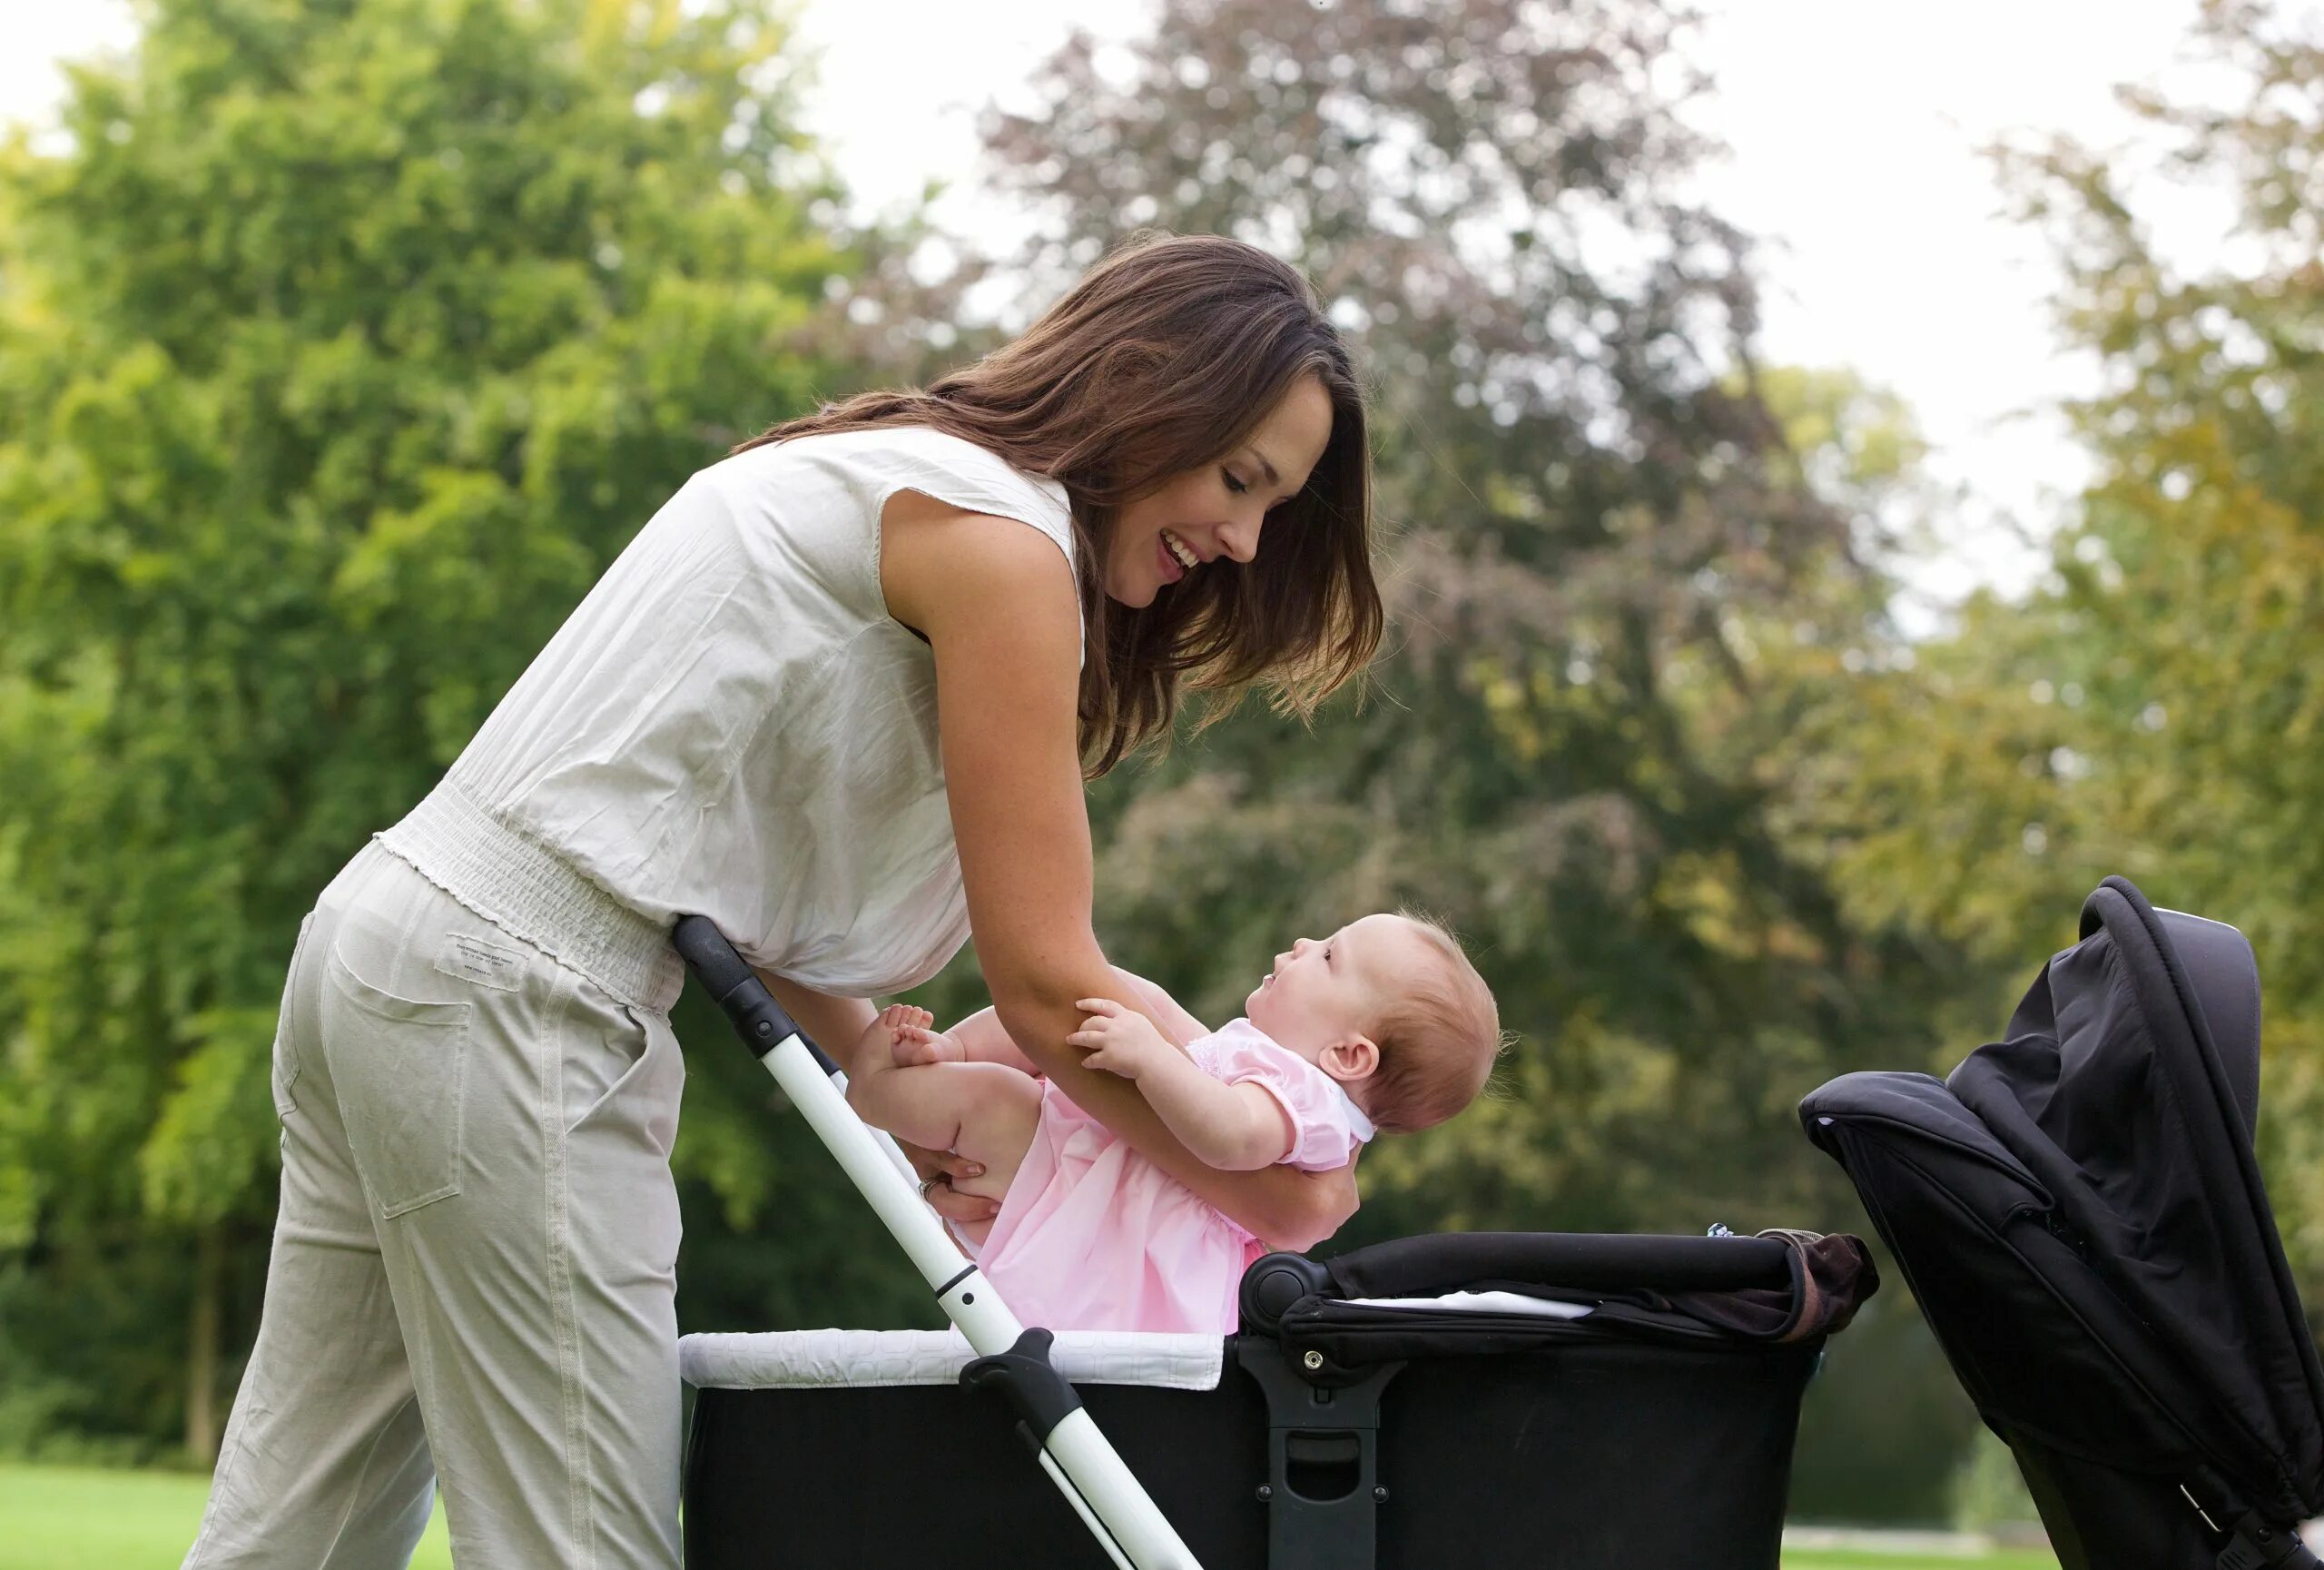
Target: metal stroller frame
(1013,1360)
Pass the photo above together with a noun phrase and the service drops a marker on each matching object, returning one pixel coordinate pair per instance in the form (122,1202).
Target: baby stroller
(1575,1401)
(2079,1213)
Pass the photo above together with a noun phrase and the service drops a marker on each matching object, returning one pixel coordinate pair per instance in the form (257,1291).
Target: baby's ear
(1349,1060)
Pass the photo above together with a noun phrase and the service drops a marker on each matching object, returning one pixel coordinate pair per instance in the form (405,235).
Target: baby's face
(1327,989)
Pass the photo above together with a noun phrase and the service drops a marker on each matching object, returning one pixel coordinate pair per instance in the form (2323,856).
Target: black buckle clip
(2256,1546)
(1023,1377)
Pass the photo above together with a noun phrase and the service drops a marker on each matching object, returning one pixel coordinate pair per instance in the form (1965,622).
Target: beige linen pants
(474,1266)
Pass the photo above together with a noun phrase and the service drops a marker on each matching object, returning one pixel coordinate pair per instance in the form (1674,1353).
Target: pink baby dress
(1092,1236)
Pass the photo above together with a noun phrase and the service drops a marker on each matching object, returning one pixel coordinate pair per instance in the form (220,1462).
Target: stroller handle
(709,955)
(762,1023)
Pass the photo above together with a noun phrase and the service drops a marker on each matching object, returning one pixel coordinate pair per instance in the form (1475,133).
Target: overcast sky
(1855,126)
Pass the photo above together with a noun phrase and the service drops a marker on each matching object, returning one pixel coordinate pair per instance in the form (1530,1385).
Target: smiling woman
(838,697)
(1188,388)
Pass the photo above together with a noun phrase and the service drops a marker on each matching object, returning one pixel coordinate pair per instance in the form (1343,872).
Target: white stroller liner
(813,1359)
(858,1360)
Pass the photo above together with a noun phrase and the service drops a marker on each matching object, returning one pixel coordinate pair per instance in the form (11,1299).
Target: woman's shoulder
(884,460)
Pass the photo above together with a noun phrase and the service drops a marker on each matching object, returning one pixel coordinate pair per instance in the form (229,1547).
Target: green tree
(2156,707)
(341,346)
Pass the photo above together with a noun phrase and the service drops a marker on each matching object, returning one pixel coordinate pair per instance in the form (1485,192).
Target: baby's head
(1391,1008)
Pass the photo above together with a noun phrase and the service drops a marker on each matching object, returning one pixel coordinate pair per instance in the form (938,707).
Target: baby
(1383,1025)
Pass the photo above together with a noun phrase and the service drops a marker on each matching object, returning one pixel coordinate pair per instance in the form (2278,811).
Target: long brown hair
(1161,359)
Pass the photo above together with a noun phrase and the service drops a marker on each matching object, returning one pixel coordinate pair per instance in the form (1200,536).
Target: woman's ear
(1349,1060)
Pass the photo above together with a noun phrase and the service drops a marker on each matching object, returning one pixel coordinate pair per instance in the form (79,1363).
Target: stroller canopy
(2121,1298)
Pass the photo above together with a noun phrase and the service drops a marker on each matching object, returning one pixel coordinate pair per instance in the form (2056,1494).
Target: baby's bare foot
(919,1044)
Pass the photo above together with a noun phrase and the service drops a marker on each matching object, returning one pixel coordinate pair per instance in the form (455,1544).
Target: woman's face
(1208,519)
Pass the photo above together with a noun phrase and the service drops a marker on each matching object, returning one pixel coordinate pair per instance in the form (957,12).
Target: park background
(1754,722)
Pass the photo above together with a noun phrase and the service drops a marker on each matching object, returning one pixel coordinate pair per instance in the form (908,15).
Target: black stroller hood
(2080,1213)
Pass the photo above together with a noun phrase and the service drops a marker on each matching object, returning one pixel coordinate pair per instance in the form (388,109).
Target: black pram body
(1579,1402)
(2079,1212)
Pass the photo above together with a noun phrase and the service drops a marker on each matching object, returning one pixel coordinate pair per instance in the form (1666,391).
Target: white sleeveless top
(731,724)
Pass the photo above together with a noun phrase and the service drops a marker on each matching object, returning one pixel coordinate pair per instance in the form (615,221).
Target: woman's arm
(832,1023)
(996,602)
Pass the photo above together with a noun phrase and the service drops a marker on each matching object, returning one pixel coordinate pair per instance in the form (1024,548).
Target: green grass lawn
(2007,1559)
(73,1518)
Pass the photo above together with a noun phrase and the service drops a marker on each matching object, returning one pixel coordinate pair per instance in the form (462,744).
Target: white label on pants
(485,964)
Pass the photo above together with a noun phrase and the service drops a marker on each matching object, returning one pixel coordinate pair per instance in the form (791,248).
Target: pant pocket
(400,1067)
(641,1098)
(600,1062)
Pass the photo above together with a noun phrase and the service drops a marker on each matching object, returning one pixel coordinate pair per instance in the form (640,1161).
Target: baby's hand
(1118,1040)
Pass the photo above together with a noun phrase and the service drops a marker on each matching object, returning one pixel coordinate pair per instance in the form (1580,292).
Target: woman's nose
(1238,537)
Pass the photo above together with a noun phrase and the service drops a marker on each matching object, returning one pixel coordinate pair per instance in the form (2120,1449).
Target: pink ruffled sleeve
(1324,1128)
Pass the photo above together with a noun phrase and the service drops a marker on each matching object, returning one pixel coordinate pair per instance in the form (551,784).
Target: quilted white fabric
(809,1358)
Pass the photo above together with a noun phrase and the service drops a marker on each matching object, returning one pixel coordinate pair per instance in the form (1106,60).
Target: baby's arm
(982,1038)
(983,1110)
(1176,1024)
(1235,1128)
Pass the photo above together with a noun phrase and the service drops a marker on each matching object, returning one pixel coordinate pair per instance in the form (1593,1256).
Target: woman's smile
(1177,559)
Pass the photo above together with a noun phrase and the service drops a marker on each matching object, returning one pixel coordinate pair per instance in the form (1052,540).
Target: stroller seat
(2079,1212)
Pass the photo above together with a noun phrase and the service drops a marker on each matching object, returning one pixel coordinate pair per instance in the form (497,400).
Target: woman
(839,696)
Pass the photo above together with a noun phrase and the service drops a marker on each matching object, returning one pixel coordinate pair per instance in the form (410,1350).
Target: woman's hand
(937,1168)
(1117,1039)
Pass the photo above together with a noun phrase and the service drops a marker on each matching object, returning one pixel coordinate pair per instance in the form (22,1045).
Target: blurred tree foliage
(339,350)
(2157,708)
(1603,548)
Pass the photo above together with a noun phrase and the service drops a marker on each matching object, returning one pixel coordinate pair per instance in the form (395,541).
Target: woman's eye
(1232,484)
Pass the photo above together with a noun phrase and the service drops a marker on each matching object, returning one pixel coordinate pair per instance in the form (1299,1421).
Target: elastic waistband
(527,889)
